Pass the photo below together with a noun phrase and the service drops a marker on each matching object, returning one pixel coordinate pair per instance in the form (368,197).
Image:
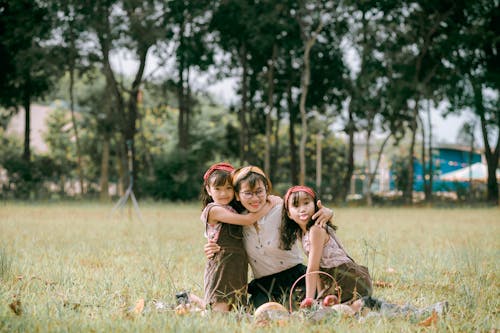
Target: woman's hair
(252,175)
(217,175)
(290,231)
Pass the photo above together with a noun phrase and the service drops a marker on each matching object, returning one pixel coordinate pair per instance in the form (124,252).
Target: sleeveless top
(225,234)
(333,254)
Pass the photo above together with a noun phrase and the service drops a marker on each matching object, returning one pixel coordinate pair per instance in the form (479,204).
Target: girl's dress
(225,277)
(352,279)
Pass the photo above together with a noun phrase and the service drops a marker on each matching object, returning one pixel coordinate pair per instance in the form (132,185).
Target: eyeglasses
(248,195)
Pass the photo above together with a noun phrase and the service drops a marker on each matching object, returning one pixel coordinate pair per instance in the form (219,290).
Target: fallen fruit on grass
(306,303)
(269,306)
(182,309)
(330,300)
(271,312)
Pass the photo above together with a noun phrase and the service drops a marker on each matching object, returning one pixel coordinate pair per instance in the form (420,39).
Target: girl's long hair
(289,229)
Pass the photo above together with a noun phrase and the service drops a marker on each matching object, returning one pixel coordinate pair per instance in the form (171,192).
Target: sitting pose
(274,269)
(324,251)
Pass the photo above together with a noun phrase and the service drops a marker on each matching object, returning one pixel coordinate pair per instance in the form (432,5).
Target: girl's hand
(323,215)
(274,200)
(211,249)
(306,303)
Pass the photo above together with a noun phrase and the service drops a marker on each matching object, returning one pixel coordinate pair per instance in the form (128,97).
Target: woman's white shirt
(262,244)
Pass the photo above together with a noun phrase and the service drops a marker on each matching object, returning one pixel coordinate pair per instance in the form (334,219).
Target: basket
(339,291)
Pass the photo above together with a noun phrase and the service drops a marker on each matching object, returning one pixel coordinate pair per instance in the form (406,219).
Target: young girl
(323,248)
(225,276)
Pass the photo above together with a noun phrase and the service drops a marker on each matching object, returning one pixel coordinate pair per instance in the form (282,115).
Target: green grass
(77,267)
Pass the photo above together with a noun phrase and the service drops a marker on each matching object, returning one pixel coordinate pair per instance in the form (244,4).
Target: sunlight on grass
(78,267)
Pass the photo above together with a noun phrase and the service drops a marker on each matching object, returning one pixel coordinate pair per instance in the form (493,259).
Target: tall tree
(476,83)
(422,39)
(132,26)
(311,21)
(188,30)
(29,62)
(71,26)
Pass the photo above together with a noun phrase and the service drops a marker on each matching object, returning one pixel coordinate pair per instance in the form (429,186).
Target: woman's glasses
(261,192)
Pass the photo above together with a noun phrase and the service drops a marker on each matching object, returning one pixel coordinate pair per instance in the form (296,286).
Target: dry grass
(75,267)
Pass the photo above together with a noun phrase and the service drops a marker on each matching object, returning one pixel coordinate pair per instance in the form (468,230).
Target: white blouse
(262,244)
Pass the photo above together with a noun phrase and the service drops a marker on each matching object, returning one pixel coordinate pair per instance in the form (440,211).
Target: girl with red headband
(324,250)
(225,275)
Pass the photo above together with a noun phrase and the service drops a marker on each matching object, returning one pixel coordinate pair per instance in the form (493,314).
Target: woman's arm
(323,215)
(317,238)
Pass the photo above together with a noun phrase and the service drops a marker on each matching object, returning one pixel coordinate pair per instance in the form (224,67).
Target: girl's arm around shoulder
(221,214)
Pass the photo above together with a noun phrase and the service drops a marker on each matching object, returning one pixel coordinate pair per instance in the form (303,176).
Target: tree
(475,85)
(188,23)
(309,33)
(71,26)
(422,41)
(134,26)
(31,63)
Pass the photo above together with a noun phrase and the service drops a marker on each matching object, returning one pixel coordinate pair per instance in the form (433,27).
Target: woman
(274,269)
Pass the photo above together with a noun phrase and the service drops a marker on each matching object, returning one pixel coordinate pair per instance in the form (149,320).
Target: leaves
(15,306)
(139,306)
(431,320)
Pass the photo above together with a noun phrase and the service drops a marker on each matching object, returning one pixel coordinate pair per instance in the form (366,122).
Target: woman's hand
(323,215)
(274,200)
(211,249)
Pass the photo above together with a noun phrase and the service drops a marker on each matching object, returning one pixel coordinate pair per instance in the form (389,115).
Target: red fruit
(330,300)
(306,303)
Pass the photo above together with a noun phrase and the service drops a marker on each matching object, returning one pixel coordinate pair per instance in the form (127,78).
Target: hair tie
(242,172)
(218,166)
(299,188)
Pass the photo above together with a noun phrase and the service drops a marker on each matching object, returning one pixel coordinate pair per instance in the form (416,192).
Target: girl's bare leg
(197,301)
(220,307)
(357,305)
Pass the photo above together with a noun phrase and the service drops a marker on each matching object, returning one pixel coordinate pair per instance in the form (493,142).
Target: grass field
(77,268)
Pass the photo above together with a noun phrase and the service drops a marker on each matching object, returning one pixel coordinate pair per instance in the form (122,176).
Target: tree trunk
(181,96)
(294,177)
(243,110)
(429,154)
(350,128)
(367,185)
(104,181)
(270,107)
(491,156)
(372,175)
(122,168)
(276,147)
(319,162)
(304,86)
(423,159)
(27,129)
(408,192)
(75,127)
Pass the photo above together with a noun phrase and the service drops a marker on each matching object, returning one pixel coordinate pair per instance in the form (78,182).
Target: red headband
(298,188)
(218,166)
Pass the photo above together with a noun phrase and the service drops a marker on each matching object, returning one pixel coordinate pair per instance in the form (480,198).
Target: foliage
(400,172)
(373,66)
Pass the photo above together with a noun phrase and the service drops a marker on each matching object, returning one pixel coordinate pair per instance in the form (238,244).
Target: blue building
(445,159)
